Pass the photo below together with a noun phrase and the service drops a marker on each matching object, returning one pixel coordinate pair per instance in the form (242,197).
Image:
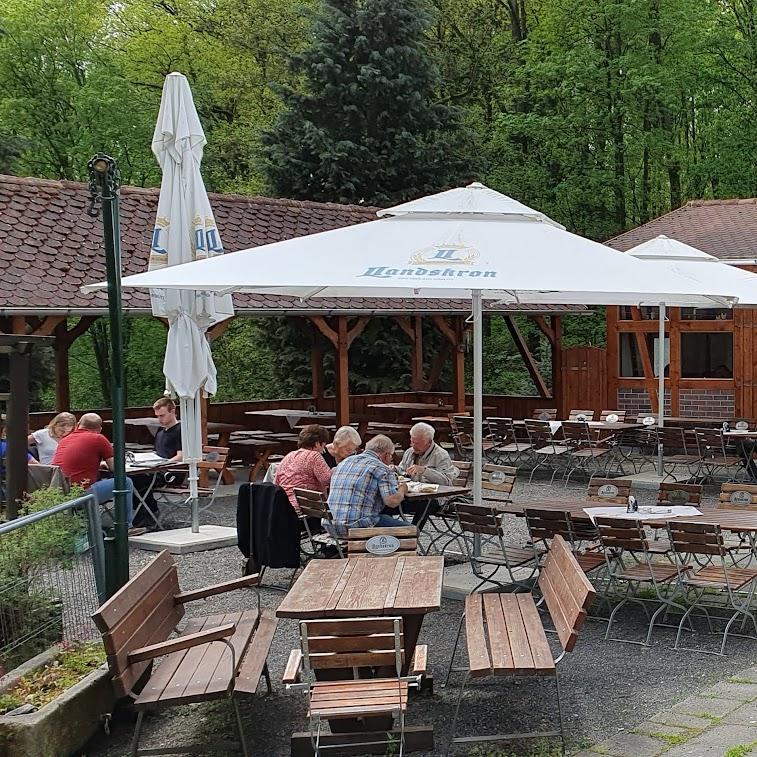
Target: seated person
(424,460)
(46,439)
(305,468)
(345,443)
(362,486)
(168,446)
(30,459)
(79,456)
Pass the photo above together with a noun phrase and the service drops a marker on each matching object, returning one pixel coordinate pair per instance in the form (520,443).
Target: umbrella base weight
(181,541)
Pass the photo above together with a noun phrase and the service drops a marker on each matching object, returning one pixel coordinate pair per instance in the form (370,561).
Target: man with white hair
(345,443)
(362,486)
(424,460)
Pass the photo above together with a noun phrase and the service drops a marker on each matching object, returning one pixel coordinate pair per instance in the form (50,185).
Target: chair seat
(514,447)
(714,577)
(328,540)
(551,450)
(181,492)
(681,459)
(659,547)
(364,697)
(591,452)
(514,556)
(589,560)
(659,572)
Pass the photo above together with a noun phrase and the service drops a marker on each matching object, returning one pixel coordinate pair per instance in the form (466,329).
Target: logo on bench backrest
(497,477)
(382,545)
(607,491)
(679,496)
(741,498)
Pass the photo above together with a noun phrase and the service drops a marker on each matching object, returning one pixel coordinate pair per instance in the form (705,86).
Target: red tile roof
(726,229)
(50,247)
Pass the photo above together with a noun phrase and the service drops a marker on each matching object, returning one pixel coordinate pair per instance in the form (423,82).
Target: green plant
(31,616)
(672,739)
(42,686)
(741,750)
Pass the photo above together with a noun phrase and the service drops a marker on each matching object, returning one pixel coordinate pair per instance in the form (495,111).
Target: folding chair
(505,444)
(671,494)
(638,446)
(173,497)
(621,536)
(545,452)
(586,454)
(679,450)
(313,505)
(358,538)
(620,415)
(581,415)
(442,526)
(720,578)
(462,427)
(609,491)
(714,459)
(740,498)
(495,555)
(544,414)
(353,644)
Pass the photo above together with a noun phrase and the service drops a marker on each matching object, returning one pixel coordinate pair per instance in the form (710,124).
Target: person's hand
(416,470)
(402,489)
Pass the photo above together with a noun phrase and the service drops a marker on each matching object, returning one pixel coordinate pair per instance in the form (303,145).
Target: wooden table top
(727,519)
(596,424)
(365,587)
(442,491)
(286,412)
(214,427)
(433,419)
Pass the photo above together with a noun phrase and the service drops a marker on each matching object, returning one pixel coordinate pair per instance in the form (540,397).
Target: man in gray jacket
(425,460)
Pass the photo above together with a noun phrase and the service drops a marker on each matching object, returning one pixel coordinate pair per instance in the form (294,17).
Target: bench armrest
(420,661)
(209,591)
(181,642)
(293,668)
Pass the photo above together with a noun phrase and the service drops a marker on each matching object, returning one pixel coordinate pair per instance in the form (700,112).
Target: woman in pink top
(305,468)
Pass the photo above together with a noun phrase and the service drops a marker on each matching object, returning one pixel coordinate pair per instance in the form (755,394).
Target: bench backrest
(609,491)
(501,429)
(581,415)
(546,524)
(478,520)
(544,414)
(498,482)
(357,541)
(672,493)
(737,497)
(465,468)
(213,458)
(141,612)
(312,504)
(566,591)
(352,643)
(576,431)
(618,534)
(539,432)
(620,413)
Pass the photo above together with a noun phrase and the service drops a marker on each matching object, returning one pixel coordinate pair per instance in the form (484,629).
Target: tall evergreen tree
(367,127)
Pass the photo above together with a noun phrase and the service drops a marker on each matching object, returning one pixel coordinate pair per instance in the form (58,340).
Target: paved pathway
(721,720)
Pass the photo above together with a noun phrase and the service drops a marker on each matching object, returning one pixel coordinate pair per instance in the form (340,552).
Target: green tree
(367,126)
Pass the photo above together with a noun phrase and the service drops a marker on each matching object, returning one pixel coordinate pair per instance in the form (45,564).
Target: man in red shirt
(79,456)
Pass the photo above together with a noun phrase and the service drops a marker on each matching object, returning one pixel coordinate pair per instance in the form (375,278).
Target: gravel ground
(605,686)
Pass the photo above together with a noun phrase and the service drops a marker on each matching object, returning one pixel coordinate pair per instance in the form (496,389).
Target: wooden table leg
(227,477)
(260,463)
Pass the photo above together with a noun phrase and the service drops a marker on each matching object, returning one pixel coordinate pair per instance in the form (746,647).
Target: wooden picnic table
(733,520)
(408,587)
(442,491)
(289,417)
(602,425)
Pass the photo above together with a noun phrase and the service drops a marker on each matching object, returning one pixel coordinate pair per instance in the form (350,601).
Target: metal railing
(52,578)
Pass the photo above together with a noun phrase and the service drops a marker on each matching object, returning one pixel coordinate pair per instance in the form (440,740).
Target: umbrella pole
(660,383)
(191,433)
(478,387)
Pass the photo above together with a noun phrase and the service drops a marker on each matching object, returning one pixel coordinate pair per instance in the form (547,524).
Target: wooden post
(417,356)
(557,385)
(342,373)
(528,358)
(62,381)
(458,379)
(316,369)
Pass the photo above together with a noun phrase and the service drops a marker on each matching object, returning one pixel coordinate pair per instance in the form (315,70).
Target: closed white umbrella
(664,256)
(185,231)
(467,242)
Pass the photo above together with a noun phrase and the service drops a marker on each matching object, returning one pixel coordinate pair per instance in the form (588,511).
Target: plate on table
(416,487)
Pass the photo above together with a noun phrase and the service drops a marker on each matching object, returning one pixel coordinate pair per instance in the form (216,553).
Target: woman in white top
(46,439)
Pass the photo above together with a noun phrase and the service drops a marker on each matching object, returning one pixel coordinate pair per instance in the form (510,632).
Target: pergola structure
(51,247)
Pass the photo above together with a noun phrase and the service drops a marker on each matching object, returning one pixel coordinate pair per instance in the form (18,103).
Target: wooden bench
(505,635)
(217,656)
(357,541)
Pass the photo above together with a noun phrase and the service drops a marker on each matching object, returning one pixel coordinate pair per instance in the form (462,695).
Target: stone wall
(692,403)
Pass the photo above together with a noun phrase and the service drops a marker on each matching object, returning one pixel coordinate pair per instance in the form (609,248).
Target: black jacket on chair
(268,528)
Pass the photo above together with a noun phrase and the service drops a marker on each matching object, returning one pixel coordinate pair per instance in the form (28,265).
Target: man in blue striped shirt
(362,486)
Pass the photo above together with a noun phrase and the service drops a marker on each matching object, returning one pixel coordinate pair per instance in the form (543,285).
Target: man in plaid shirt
(362,486)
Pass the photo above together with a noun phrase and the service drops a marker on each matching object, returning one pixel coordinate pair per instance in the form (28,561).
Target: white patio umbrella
(185,230)
(664,256)
(467,242)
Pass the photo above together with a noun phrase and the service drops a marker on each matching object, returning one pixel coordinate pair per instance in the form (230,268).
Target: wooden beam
(557,382)
(342,389)
(437,365)
(316,368)
(322,325)
(214,332)
(613,355)
(528,358)
(18,324)
(48,325)
(80,328)
(62,379)
(458,368)
(545,328)
(357,329)
(445,328)
(646,361)
(404,322)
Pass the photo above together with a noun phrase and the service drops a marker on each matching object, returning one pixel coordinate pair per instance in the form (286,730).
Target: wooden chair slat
(516,634)
(501,654)
(537,638)
(478,651)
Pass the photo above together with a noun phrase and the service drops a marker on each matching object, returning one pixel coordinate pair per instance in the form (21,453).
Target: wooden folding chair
(442,525)
(581,415)
(506,447)
(313,504)
(351,644)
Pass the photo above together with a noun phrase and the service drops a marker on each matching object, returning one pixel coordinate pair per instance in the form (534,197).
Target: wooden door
(584,379)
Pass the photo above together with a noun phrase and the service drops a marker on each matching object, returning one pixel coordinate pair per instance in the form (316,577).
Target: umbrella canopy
(447,245)
(470,241)
(668,255)
(185,231)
